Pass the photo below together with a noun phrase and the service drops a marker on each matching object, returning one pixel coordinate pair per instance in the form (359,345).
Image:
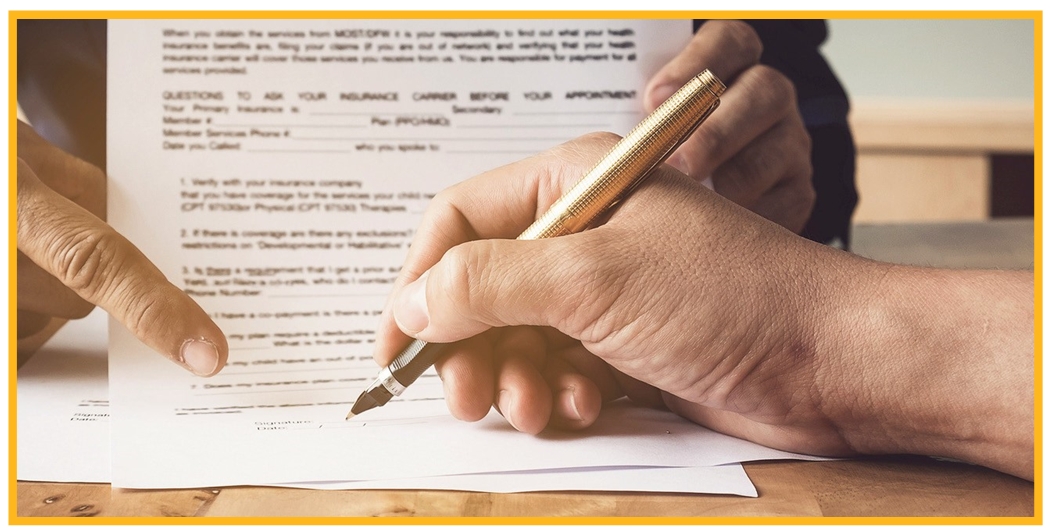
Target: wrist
(929,362)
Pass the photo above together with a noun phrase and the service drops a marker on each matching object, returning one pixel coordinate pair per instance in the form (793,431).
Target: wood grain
(899,486)
(45,499)
(885,486)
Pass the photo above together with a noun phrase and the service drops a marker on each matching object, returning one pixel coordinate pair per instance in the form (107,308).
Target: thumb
(493,283)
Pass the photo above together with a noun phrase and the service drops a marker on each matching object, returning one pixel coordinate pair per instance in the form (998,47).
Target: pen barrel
(414,360)
(631,160)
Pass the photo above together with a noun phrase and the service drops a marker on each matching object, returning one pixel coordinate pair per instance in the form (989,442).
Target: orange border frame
(1035,16)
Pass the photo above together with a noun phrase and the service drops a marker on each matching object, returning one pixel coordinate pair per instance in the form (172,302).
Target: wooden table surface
(875,486)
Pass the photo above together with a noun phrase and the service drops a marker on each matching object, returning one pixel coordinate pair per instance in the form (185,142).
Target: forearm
(937,362)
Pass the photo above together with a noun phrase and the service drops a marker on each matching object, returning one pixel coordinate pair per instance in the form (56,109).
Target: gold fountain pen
(610,181)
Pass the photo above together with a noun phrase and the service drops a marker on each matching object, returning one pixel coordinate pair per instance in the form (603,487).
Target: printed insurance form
(276,170)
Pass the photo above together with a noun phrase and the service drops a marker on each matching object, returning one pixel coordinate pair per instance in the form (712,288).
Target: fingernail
(569,398)
(504,402)
(661,93)
(200,356)
(410,310)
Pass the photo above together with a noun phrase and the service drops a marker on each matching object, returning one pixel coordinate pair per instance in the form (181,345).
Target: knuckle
(141,313)
(794,142)
(715,136)
(580,152)
(802,156)
(774,87)
(743,38)
(600,137)
(749,174)
(809,197)
(806,174)
(466,277)
(778,82)
(82,261)
(442,201)
(806,144)
(599,140)
(798,150)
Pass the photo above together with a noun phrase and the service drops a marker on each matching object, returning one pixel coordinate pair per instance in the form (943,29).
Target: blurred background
(942,112)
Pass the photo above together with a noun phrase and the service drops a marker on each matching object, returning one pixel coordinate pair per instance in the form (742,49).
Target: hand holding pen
(755,150)
(686,300)
(610,181)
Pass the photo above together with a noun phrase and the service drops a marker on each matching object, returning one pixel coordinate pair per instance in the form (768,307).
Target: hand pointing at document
(70,260)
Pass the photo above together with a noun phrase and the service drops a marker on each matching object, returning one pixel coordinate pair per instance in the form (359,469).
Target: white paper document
(276,171)
(63,435)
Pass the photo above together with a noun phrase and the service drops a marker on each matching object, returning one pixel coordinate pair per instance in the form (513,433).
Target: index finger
(107,270)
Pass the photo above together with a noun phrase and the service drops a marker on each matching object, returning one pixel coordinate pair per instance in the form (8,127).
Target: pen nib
(365,402)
